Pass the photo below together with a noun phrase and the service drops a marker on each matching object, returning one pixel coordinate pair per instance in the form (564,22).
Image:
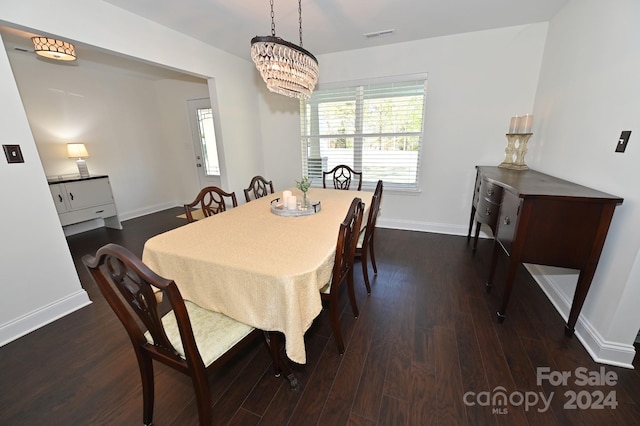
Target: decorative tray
(278,208)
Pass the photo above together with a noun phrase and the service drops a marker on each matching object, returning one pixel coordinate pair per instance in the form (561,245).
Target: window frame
(307,122)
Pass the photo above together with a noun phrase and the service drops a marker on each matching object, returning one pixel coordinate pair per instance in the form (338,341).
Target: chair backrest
(259,187)
(211,200)
(346,245)
(133,290)
(342,175)
(374,209)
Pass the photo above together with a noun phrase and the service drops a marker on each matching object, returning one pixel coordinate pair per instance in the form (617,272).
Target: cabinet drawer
(490,196)
(490,191)
(508,222)
(487,212)
(97,212)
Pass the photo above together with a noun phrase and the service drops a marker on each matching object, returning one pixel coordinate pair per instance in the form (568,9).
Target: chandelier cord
(273,22)
(299,19)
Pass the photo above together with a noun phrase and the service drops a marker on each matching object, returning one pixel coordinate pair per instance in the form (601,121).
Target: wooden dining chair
(342,175)
(211,200)
(343,269)
(365,239)
(259,187)
(188,338)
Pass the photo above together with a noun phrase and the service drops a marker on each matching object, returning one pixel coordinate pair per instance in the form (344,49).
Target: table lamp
(79,151)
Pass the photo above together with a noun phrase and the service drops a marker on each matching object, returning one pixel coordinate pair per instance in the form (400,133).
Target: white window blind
(375,127)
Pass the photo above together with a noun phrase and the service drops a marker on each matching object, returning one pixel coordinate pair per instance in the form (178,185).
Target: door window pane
(208,141)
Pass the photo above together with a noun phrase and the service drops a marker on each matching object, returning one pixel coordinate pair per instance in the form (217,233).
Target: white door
(204,141)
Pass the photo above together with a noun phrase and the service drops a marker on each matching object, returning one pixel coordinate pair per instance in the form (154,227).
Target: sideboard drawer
(490,191)
(487,211)
(490,196)
(81,215)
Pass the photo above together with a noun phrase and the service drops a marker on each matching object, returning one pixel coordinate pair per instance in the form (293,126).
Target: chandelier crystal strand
(286,68)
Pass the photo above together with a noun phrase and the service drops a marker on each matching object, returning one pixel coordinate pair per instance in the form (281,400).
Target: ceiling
(19,42)
(328,25)
(335,25)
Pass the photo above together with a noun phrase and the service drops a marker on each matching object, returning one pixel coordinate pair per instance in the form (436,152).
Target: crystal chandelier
(287,69)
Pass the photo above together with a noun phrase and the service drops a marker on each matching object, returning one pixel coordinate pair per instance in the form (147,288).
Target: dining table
(255,266)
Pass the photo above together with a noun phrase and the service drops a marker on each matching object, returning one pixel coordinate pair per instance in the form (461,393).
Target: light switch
(622,142)
(13,153)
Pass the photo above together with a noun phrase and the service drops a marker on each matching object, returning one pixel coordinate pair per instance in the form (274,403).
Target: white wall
(280,121)
(587,94)
(136,129)
(30,296)
(36,268)
(476,82)
(175,127)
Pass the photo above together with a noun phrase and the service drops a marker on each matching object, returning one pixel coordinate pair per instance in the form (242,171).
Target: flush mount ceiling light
(54,49)
(286,68)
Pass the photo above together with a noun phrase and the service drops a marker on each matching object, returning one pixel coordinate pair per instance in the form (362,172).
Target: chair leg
(272,339)
(203,399)
(146,374)
(365,269)
(373,256)
(352,294)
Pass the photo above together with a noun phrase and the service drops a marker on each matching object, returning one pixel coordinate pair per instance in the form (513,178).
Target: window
(375,127)
(208,140)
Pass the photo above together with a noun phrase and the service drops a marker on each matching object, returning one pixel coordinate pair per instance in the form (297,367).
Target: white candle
(292,202)
(525,123)
(285,198)
(514,124)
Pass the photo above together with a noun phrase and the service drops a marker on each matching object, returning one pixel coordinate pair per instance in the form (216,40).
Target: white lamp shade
(77,150)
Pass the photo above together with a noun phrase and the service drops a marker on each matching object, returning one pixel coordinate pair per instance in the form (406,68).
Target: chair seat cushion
(361,238)
(215,333)
(327,288)
(197,214)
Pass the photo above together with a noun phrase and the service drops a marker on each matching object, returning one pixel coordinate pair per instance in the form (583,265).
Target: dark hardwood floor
(426,341)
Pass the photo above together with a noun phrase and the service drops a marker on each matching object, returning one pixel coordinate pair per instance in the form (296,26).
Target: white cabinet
(78,200)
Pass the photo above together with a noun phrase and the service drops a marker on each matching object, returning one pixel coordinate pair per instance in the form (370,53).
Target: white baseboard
(85,226)
(132,214)
(27,323)
(436,228)
(601,350)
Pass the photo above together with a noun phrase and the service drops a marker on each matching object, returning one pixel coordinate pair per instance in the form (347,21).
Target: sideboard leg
(568,331)
(508,286)
(494,263)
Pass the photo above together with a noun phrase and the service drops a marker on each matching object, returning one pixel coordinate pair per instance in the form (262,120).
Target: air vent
(379,33)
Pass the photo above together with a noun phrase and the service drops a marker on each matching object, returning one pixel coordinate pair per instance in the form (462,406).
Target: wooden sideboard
(81,199)
(540,219)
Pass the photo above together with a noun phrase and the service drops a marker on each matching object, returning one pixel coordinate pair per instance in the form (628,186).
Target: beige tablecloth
(257,267)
